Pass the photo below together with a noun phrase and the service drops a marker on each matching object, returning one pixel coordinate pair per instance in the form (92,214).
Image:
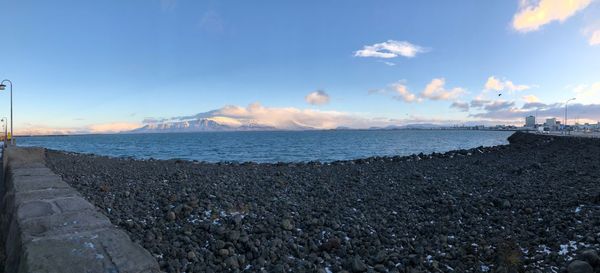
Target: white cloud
(435,90)
(534,14)
(318,97)
(402,93)
(390,49)
(285,118)
(587,93)
(493,83)
(531,98)
(496,84)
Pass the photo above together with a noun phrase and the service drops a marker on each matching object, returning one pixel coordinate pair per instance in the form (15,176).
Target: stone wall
(47,226)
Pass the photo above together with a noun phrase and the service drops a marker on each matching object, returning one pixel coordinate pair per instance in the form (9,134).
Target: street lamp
(3,87)
(566,103)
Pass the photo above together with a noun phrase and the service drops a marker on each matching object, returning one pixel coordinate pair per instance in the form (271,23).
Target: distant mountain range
(408,126)
(199,125)
(221,125)
(213,125)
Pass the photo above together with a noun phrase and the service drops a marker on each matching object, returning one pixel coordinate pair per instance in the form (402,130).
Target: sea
(271,146)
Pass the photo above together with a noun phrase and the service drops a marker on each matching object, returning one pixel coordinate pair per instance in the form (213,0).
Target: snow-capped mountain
(210,125)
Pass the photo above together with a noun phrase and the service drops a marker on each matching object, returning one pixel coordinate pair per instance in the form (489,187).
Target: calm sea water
(271,146)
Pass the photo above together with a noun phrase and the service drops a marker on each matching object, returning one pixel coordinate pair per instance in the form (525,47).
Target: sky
(113,65)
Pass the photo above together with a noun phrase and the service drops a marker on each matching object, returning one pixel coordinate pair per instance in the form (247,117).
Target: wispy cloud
(114,127)
(211,21)
(389,63)
(167,5)
(435,90)
(588,93)
(534,14)
(318,97)
(593,34)
(103,128)
(583,112)
(595,38)
(390,49)
(496,84)
(460,105)
(498,105)
(479,103)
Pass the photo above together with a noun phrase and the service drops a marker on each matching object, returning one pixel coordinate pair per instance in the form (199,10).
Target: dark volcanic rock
(530,206)
(578,266)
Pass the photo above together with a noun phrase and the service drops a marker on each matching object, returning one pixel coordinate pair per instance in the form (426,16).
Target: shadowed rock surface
(531,206)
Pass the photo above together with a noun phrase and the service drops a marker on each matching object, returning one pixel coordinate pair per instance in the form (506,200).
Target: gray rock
(287,224)
(171,215)
(232,262)
(358,265)
(590,256)
(578,266)
(233,235)
(224,252)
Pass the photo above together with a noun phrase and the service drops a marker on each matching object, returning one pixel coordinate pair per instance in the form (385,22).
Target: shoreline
(474,210)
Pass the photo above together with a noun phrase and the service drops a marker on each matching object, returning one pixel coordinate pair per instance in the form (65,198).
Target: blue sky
(101,65)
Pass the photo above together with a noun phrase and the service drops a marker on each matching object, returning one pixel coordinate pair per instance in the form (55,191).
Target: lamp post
(566,105)
(3,87)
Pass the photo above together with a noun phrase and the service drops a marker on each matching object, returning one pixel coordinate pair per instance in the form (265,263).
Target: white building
(550,122)
(530,122)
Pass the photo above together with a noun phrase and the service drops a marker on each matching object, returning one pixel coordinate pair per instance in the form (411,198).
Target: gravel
(530,206)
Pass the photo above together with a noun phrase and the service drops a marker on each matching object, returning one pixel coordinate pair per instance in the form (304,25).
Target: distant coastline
(512,129)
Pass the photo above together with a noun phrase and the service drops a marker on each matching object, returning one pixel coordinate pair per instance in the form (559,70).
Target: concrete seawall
(47,226)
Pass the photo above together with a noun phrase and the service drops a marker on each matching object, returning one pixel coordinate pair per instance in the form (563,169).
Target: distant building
(550,122)
(530,122)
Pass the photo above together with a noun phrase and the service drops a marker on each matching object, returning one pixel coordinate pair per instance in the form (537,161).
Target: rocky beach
(530,206)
